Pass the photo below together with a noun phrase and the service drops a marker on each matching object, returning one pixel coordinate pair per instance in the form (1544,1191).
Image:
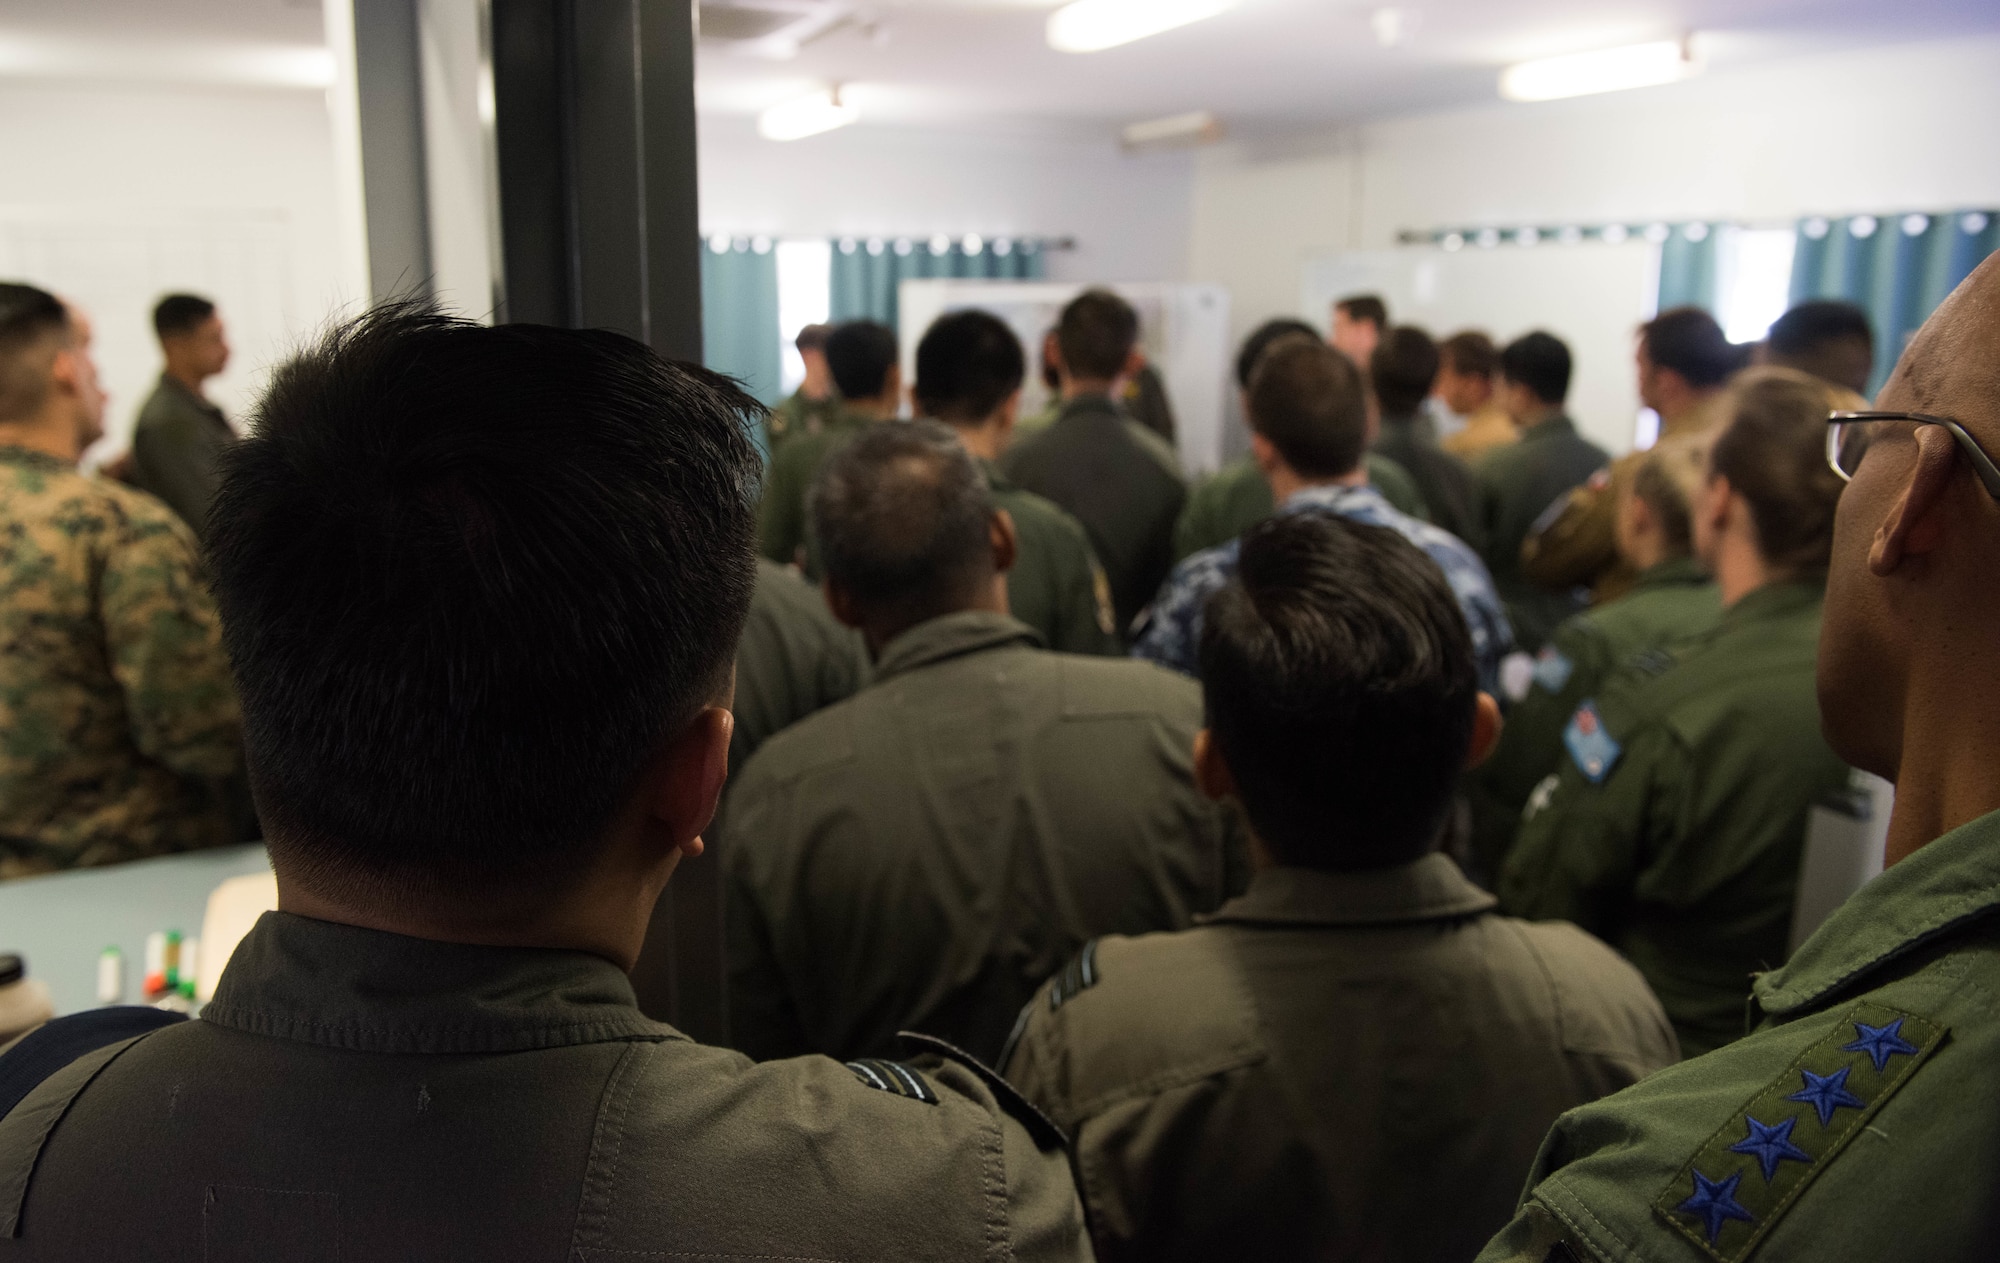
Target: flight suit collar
(1680,572)
(952,636)
(1776,601)
(1090,406)
(174,385)
(1554,427)
(1945,885)
(1333,497)
(341,986)
(1432,889)
(996,482)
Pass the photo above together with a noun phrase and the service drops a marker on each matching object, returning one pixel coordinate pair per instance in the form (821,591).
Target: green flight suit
(354,1094)
(120,735)
(1520,487)
(1670,602)
(177,447)
(1333,1066)
(1856,1122)
(796,416)
(1675,827)
(782,527)
(795,658)
(1056,585)
(923,855)
(1236,498)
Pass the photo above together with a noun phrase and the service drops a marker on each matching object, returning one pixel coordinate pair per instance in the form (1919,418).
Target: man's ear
(1486,726)
(1010,412)
(1716,496)
(1211,771)
(693,769)
(1264,452)
(1135,360)
(1914,525)
(1006,542)
(840,603)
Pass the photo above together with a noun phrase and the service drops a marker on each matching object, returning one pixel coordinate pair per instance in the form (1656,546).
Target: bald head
(1909,669)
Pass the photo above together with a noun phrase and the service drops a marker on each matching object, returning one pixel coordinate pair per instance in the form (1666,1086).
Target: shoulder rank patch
(893,1077)
(1078,976)
(1552,670)
(1592,747)
(1752,1171)
(1652,661)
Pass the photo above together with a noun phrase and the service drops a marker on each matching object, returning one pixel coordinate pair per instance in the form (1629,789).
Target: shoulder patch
(1589,745)
(1653,662)
(1039,1125)
(1750,1173)
(1078,976)
(1552,669)
(893,1077)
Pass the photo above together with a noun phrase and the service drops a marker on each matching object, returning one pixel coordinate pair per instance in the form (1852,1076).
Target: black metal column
(594,129)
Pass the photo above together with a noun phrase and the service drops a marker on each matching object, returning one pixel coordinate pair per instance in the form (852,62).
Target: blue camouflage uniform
(1172,628)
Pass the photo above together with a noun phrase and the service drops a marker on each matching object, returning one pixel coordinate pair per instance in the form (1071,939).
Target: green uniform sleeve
(762,1019)
(1579,854)
(781,517)
(1084,621)
(165,642)
(180,455)
(1535,1236)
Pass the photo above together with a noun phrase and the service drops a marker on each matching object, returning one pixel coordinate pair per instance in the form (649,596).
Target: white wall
(1890,129)
(1128,214)
(116,194)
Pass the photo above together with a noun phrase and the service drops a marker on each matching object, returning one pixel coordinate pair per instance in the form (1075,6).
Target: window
(805,297)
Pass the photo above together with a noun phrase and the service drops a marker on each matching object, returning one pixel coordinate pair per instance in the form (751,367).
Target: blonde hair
(1772,448)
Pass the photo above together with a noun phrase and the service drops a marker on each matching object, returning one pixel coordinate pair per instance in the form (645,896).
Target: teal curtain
(867,272)
(739,313)
(1687,267)
(1898,268)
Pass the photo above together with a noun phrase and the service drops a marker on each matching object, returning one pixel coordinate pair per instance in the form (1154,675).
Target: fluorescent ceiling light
(1086,26)
(806,116)
(1198,128)
(1606,70)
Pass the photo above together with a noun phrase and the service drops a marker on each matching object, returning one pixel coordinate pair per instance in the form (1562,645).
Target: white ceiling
(1271,65)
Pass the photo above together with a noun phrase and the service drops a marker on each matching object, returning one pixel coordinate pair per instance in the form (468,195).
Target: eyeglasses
(1850,434)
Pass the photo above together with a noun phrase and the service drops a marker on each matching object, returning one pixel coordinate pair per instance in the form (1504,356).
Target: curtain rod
(1657,230)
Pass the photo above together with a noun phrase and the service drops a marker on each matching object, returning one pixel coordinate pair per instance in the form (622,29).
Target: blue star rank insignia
(1552,669)
(1752,1171)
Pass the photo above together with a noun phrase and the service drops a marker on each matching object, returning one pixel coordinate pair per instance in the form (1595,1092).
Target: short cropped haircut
(968,364)
(178,314)
(1470,354)
(1096,334)
(812,338)
(34,325)
(1403,369)
(1365,309)
(1690,342)
(1668,480)
(903,517)
(860,354)
(1815,322)
(1772,448)
(1309,401)
(1260,341)
(470,579)
(1341,687)
(1540,361)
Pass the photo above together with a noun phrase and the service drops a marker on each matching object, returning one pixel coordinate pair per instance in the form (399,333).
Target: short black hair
(1470,353)
(1832,340)
(1365,309)
(177,314)
(812,338)
(33,324)
(968,363)
(1260,341)
(1690,342)
(1309,401)
(1341,688)
(1540,361)
(1096,334)
(903,518)
(469,579)
(860,354)
(1403,369)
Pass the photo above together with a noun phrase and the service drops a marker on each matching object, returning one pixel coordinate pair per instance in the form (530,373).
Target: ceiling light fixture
(1179,130)
(1605,70)
(1088,26)
(806,116)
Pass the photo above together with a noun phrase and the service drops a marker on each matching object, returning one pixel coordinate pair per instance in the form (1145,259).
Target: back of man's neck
(1079,389)
(1285,484)
(190,381)
(981,439)
(49,440)
(1536,420)
(1949,775)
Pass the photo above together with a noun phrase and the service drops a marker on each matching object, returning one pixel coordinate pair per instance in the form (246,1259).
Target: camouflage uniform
(119,730)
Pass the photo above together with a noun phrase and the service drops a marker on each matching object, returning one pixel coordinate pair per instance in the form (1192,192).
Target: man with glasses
(1857,1120)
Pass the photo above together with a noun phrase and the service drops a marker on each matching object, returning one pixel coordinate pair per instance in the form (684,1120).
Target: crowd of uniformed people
(1386,847)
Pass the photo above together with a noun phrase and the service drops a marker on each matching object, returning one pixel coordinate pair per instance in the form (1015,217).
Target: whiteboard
(116,265)
(1592,295)
(1183,329)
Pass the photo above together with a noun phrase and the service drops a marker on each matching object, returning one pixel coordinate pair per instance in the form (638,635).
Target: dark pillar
(594,128)
(389,85)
